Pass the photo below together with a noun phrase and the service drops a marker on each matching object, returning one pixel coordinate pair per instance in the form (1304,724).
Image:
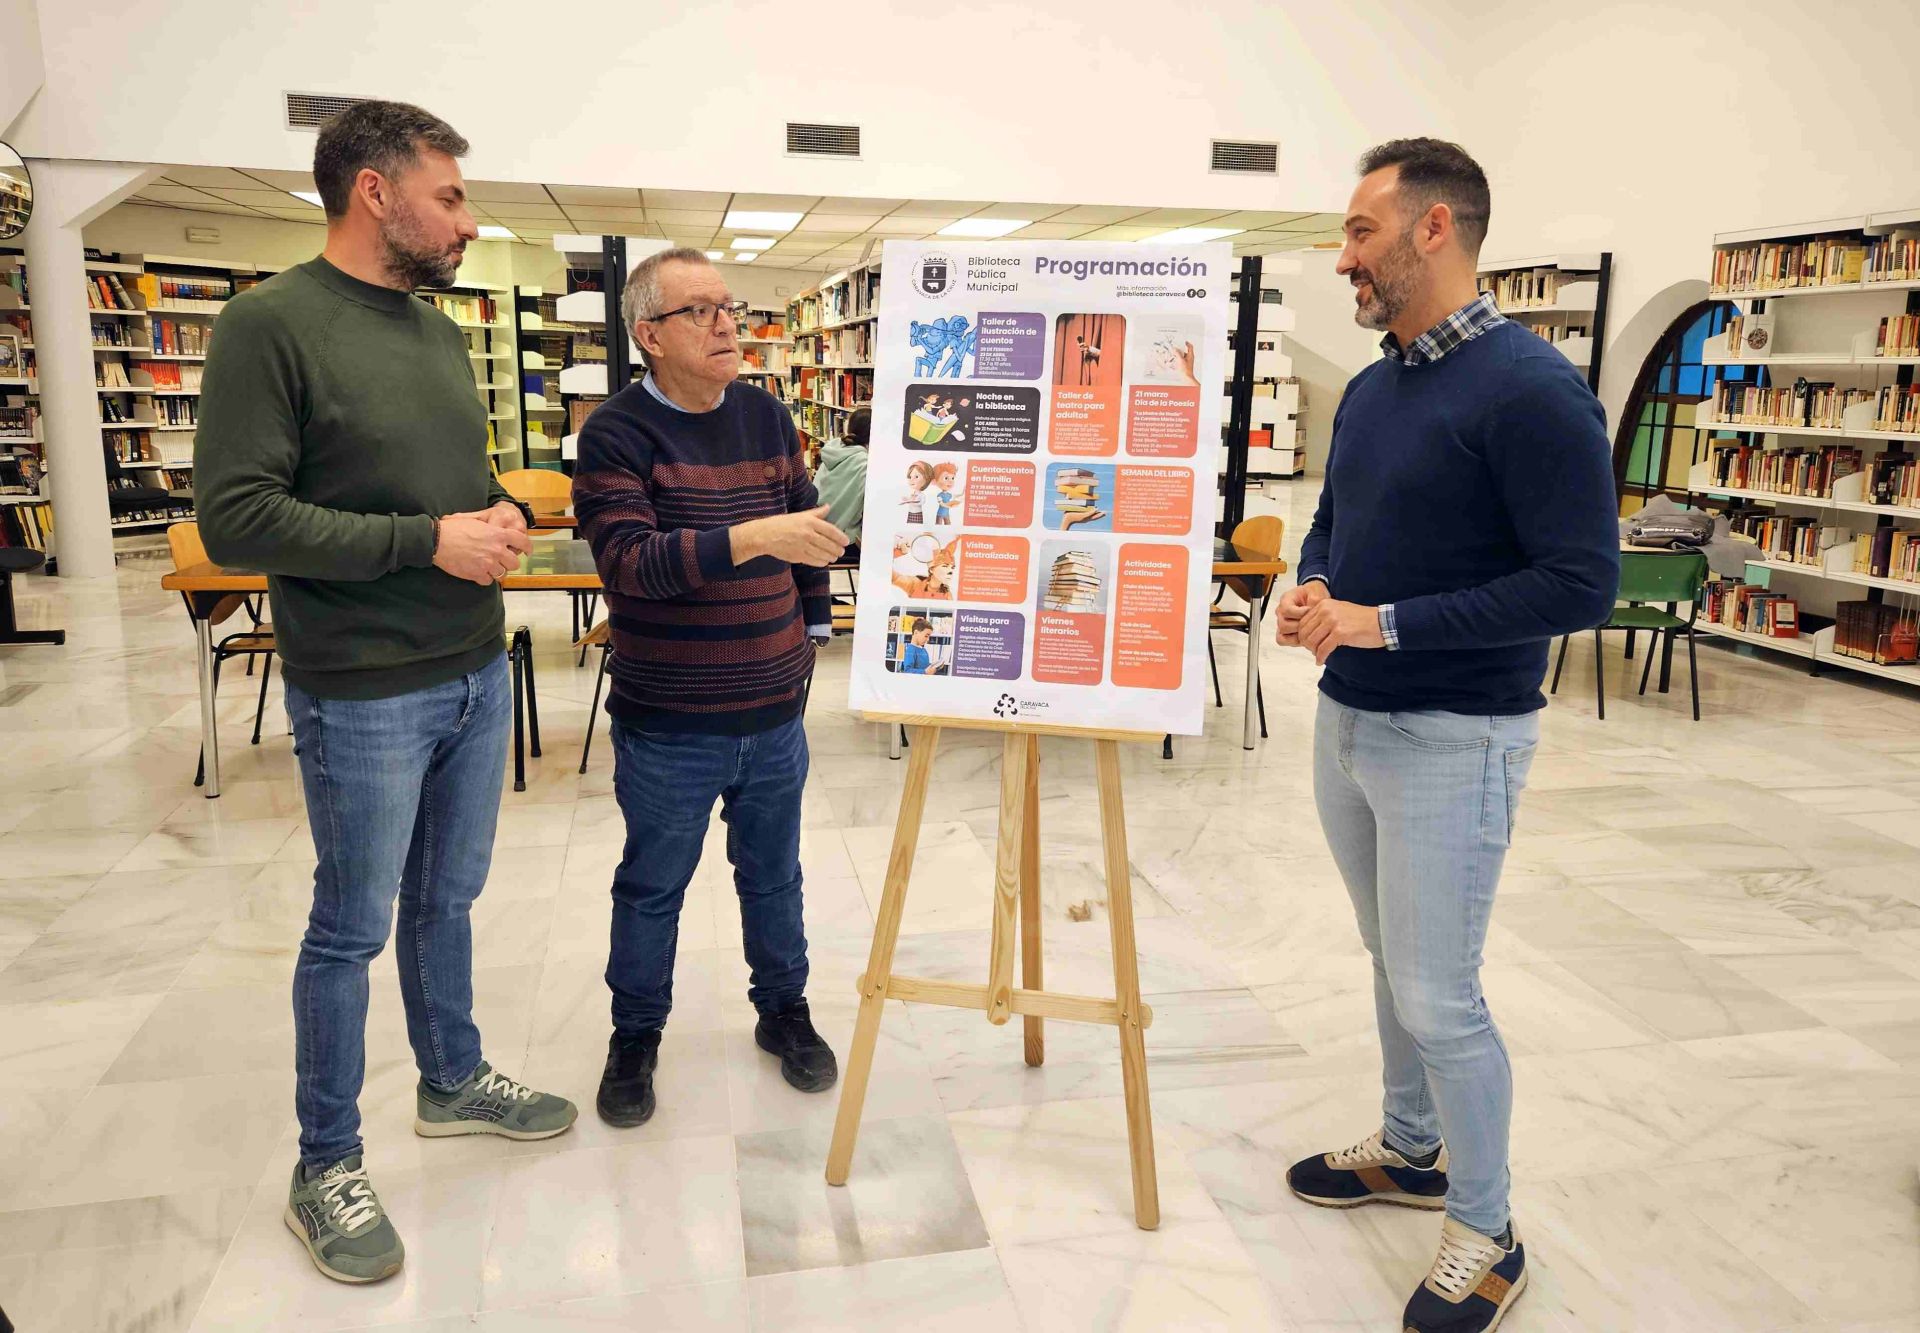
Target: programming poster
(1038,536)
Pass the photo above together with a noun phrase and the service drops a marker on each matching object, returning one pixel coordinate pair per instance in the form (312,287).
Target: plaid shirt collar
(1462,326)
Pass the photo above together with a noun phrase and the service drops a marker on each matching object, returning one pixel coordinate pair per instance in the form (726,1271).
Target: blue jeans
(1418,809)
(403,795)
(666,784)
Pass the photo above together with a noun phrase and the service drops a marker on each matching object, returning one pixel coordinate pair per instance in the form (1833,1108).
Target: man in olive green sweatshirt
(342,450)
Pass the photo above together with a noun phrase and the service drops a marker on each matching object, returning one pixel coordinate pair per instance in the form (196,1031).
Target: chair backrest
(1256,538)
(1659,576)
(187,550)
(528,484)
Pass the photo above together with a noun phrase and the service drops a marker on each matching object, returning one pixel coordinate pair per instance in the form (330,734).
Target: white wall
(1327,347)
(1045,100)
(20,66)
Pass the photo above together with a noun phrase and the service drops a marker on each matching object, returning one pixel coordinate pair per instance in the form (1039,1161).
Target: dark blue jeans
(403,795)
(666,784)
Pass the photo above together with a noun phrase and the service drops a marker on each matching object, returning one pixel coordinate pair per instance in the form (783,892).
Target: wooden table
(551,519)
(552,566)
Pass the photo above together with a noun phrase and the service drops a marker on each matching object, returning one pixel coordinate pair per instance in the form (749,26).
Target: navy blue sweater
(1475,493)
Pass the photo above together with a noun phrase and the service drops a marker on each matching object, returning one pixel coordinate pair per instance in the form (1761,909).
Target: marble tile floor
(1706,958)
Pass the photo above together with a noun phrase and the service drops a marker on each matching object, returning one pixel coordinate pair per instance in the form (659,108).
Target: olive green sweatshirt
(337,421)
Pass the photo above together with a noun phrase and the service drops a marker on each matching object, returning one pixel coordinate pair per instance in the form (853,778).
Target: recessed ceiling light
(489,232)
(747,219)
(745,256)
(308,196)
(753,242)
(716,254)
(1191,235)
(984,228)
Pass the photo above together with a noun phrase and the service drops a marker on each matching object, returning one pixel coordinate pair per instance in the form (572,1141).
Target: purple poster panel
(1012,346)
(987,644)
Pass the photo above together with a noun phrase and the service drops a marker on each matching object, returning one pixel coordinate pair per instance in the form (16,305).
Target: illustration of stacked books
(1073,584)
(1079,496)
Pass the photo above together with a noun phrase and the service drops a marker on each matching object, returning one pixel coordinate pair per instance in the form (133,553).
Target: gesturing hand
(473,548)
(1332,624)
(1295,603)
(799,539)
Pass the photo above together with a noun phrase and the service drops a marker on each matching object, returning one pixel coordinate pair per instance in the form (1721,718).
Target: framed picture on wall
(10,365)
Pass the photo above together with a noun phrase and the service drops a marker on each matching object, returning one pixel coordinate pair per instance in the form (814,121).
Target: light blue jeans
(1418,808)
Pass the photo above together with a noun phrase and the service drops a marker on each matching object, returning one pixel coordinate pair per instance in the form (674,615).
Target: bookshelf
(564,364)
(1563,298)
(483,312)
(22,435)
(16,200)
(830,364)
(1815,460)
(1274,428)
(766,351)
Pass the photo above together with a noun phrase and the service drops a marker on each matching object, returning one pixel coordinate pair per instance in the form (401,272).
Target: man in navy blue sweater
(1468,517)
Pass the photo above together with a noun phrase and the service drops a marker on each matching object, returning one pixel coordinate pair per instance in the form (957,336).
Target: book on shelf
(1792,471)
(197,292)
(19,417)
(1821,406)
(1821,261)
(1749,608)
(1894,258)
(1899,335)
(465,309)
(1897,408)
(176,411)
(110,375)
(1876,632)
(1750,335)
(1520,288)
(1887,553)
(1895,479)
(183,338)
(1796,539)
(173,375)
(26,525)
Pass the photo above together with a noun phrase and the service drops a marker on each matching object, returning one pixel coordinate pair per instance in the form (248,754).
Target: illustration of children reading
(945,475)
(933,419)
(919,477)
(915,660)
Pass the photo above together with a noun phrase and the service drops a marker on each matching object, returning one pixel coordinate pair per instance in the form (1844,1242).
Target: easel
(1016,896)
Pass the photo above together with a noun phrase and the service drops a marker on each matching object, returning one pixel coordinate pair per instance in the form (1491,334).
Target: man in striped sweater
(712,545)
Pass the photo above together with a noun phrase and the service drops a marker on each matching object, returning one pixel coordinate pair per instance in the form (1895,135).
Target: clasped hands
(484,545)
(1309,617)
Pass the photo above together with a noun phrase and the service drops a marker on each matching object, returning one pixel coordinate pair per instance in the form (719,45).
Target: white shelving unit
(1561,297)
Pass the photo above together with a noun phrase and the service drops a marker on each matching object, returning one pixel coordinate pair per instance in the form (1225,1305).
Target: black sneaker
(806,1061)
(1369,1172)
(626,1088)
(1474,1282)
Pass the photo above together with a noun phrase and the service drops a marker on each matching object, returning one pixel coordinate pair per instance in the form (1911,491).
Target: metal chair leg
(260,709)
(1693,673)
(1260,698)
(1599,674)
(1559,662)
(533,696)
(1213,662)
(200,772)
(1646,672)
(519,724)
(606,652)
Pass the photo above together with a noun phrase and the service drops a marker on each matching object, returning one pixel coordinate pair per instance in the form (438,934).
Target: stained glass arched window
(1657,441)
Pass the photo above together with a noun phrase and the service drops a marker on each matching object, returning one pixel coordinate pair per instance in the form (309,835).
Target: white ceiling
(833,231)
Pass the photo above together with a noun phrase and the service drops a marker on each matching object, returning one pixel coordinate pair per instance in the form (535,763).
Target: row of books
(1894,258)
(465,309)
(19,417)
(110,375)
(1897,407)
(115,333)
(1820,405)
(26,525)
(1749,608)
(186,338)
(1563,333)
(839,388)
(1775,265)
(14,279)
(848,346)
(1895,479)
(1877,632)
(128,447)
(1887,553)
(1524,287)
(1749,467)
(176,411)
(1899,336)
(105,291)
(174,511)
(137,375)
(172,287)
(1798,540)
(764,357)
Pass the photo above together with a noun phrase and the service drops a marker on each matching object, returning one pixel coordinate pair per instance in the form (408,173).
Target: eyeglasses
(704,313)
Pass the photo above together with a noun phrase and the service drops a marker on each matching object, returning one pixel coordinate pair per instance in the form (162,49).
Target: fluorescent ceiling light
(716,254)
(489,232)
(745,256)
(1191,235)
(753,242)
(746,219)
(309,197)
(984,228)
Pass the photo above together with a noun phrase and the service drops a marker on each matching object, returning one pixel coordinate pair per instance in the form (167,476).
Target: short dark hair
(386,136)
(860,426)
(1433,171)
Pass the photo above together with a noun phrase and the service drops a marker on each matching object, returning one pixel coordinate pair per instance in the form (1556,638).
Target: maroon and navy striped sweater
(698,644)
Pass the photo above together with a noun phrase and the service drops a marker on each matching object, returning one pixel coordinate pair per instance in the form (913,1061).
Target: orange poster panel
(1000,495)
(1150,607)
(1163,421)
(1068,649)
(1089,363)
(1157,500)
(993,569)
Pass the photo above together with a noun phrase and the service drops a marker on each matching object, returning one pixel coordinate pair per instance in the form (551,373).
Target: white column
(66,196)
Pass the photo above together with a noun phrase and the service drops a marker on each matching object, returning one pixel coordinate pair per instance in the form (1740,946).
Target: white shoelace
(1367,1152)
(497,1084)
(1462,1261)
(349,1197)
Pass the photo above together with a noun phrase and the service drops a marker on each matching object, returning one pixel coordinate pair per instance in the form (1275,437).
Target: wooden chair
(1256,538)
(535,486)
(184,544)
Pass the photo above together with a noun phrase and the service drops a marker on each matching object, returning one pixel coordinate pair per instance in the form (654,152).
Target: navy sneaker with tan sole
(1473,1283)
(1369,1172)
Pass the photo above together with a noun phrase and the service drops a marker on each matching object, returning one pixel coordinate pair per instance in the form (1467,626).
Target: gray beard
(1392,286)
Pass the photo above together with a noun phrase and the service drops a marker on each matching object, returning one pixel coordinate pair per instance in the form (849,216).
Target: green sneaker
(340,1220)
(491,1103)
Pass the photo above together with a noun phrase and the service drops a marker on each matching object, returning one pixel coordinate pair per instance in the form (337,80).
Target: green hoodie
(842,483)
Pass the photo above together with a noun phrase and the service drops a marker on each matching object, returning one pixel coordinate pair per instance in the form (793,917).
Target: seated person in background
(842,479)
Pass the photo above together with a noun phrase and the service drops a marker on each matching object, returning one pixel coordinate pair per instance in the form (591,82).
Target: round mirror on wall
(16,193)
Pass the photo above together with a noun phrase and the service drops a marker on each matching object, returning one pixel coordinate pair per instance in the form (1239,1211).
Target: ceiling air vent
(823,140)
(1245,155)
(309,111)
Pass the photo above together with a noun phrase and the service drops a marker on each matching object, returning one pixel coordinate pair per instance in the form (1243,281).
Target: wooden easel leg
(1030,969)
(886,931)
(1010,852)
(1126,988)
